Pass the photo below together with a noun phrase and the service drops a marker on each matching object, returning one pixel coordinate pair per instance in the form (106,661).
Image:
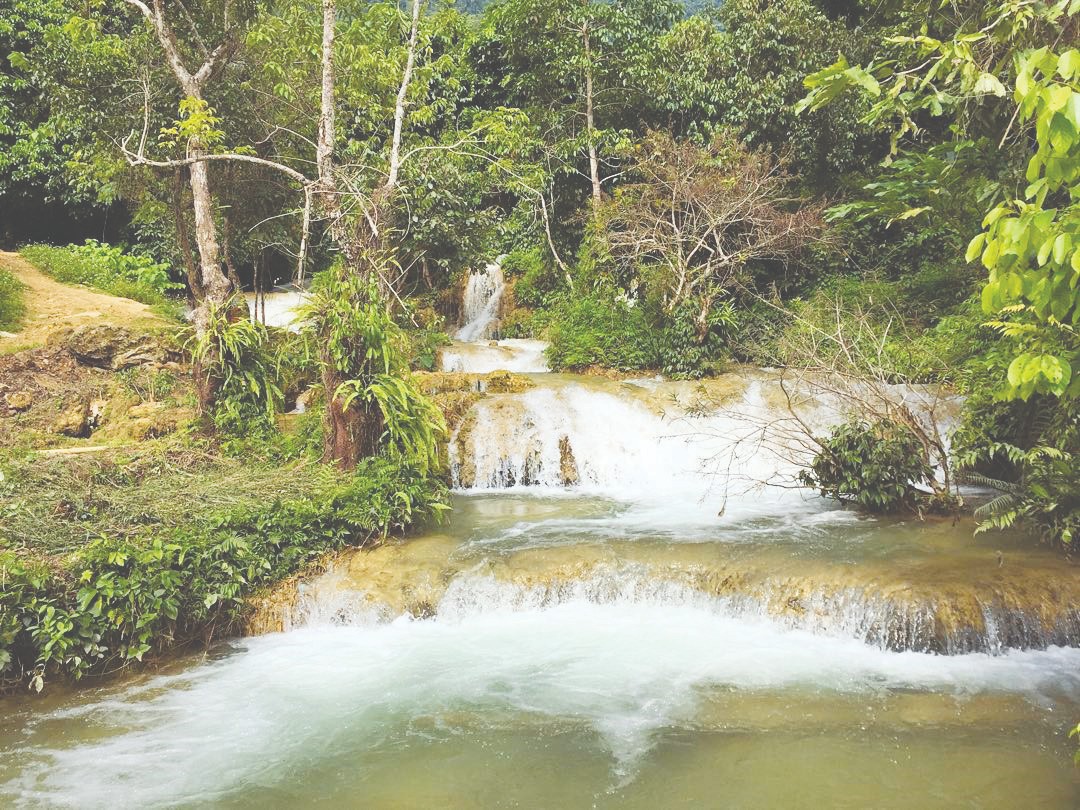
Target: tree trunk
(352,433)
(399,105)
(590,122)
(217,288)
(183,239)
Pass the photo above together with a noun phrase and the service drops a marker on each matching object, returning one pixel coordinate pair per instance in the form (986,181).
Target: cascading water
(480,304)
(473,350)
(623,611)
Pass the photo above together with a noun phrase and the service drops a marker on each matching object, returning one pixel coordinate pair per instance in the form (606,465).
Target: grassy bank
(12,307)
(107,269)
(107,561)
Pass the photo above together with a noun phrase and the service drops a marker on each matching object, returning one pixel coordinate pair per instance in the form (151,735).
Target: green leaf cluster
(877,467)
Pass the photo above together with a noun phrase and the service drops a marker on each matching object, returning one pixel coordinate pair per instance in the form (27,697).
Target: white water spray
(480,306)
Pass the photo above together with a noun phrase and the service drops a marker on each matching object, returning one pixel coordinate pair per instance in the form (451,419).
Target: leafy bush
(235,354)
(521,322)
(1030,452)
(535,280)
(424,346)
(108,268)
(600,329)
(115,601)
(681,354)
(11,301)
(364,356)
(874,466)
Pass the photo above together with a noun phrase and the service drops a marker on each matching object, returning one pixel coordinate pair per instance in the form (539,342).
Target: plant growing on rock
(875,466)
(373,401)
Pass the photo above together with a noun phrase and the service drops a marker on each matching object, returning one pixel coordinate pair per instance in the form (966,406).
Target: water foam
(625,670)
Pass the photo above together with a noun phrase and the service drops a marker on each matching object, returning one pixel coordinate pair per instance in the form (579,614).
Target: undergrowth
(108,268)
(130,559)
(12,307)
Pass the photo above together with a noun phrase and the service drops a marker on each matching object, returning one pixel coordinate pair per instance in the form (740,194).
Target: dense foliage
(11,300)
(878,467)
(677,186)
(119,599)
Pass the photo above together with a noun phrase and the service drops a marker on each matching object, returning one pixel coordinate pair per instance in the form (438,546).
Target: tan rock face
(74,420)
(506,382)
(107,346)
(568,469)
(19,400)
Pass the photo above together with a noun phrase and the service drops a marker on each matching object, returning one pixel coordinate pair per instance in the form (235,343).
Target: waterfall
(636,441)
(970,606)
(480,305)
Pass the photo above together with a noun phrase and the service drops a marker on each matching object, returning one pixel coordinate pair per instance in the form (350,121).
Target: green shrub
(953,351)
(682,355)
(521,322)
(364,359)
(114,601)
(424,346)
(235,353)
(875,467)
(12,308)
(535,279)
(108,268)
(1030,452)
(599,329)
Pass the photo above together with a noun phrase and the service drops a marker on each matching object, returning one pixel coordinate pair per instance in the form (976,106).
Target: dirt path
(51,305)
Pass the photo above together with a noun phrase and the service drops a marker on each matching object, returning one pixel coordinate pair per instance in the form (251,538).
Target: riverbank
(128,529)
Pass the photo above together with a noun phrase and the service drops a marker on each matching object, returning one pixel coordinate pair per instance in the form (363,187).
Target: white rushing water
(281,308)
(614,443)
(473,350)
(520,355)
(481,302)
(626,671)
(734,591)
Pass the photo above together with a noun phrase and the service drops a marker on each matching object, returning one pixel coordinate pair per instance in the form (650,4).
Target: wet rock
(463,467)
(441,382)
(74,420)
(306,398)
(568,468)
(19,400)
(506,382)
(455,404)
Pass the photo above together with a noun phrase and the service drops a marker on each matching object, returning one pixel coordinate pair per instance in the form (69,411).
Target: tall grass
(107,268)
(12,307)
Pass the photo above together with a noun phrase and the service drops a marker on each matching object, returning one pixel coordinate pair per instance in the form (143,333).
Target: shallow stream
(616,615)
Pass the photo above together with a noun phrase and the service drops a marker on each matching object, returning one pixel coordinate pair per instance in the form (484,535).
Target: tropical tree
(997,75)
(578,67)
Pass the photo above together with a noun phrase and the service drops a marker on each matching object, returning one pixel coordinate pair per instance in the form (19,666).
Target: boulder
(108,346)
(74,420)
(506,382)
(19,400)
(568,468)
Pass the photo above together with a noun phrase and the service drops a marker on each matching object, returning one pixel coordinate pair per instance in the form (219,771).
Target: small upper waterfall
(480,306)
(474,351)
